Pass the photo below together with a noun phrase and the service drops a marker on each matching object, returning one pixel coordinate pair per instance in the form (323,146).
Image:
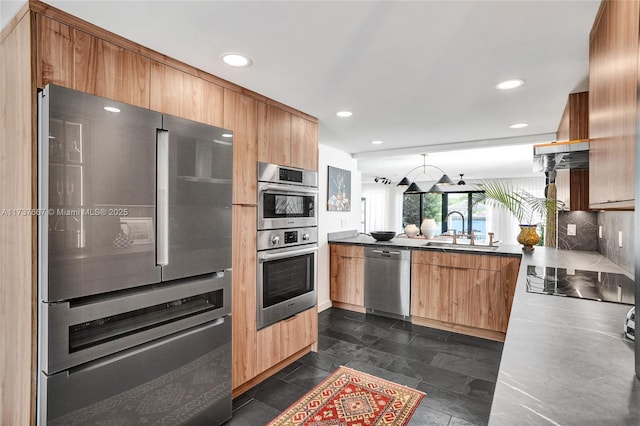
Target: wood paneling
(17,232)
(431,292)
(177,93)
(241,116)
(509,278)
(243,307)
(347,274)
(613,82)
(80,61)
(573,188)
(304,143)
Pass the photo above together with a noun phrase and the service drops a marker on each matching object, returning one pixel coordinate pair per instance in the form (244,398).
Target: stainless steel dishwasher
(387,282)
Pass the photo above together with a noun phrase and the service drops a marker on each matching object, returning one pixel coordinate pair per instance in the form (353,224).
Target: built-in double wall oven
(287,242)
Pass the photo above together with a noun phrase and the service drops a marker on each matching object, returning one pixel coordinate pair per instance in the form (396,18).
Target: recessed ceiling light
(518,125)
(111,109)
(376,142)
(509,84)
(344,114)
(236,59)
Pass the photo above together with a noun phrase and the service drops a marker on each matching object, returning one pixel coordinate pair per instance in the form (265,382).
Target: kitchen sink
(460,246)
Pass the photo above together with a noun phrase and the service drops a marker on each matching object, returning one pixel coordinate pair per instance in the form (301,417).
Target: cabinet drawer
(347,250)
(456,260)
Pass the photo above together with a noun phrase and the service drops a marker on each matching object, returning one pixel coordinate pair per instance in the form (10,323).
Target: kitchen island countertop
(566,361)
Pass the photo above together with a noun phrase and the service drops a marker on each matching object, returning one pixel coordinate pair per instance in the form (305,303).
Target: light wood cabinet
(286,139)
(241,115)
(243,295)
(613,82)
(80,61)
(177,93)
(465,293)
(285,338)
(347,276)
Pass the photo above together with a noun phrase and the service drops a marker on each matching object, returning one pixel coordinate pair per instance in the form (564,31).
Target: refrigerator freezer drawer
(77,333)
(181,379)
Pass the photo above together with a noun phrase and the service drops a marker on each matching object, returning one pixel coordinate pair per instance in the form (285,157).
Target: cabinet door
(269,347)
(274,135)
(304,143)
(613,81)
(77,60)
(243,296)
(298,332)
(347,280)
(183,95)
(476,298)
(241,116)
(431,292)
(508,279)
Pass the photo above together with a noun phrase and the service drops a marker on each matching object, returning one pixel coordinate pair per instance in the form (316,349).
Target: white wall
(333,221)
(8,9)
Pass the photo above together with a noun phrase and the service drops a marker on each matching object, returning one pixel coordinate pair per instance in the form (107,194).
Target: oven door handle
(288,189)
(268,256)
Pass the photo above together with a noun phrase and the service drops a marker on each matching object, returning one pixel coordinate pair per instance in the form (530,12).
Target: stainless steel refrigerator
(134,264)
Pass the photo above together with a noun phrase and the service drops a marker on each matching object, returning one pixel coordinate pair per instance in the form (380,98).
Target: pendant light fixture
(413,187)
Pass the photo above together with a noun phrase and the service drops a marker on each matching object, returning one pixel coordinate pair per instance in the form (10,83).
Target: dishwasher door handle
(385,252)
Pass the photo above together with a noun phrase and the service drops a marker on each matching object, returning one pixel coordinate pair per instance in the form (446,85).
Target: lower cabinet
(347,277)
(465,293)
(283,339)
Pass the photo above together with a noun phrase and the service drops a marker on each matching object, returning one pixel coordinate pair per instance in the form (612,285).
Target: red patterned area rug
(351,398)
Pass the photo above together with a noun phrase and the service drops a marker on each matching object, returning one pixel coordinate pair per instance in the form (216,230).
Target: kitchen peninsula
(565,361)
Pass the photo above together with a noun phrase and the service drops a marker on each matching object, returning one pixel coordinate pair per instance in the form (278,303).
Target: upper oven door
(286,206)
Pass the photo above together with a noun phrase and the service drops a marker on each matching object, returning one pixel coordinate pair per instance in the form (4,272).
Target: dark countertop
(566,361)
(419,244)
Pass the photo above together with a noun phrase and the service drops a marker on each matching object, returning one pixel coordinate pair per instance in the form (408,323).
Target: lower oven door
(182,379)
(286,283)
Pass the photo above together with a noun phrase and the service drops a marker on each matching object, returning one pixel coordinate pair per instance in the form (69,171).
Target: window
(450,211)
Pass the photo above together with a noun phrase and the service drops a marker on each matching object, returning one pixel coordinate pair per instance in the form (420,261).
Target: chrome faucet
(461,215)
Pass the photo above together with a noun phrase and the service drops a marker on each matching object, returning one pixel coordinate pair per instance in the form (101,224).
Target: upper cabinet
(613,82)
(572,184)
(77,60)
(286,139)
(177,93)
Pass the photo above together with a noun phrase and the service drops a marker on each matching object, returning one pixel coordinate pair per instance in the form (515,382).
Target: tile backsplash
(613,223)
(586,230)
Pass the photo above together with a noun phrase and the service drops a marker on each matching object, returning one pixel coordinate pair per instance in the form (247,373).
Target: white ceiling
(419,75)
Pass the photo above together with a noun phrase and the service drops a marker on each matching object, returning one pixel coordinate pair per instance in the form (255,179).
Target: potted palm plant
(524,206)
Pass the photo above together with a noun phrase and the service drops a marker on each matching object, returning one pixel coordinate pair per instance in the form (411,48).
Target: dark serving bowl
(383,235)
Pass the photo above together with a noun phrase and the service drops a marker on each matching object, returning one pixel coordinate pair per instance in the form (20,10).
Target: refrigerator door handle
(162,214)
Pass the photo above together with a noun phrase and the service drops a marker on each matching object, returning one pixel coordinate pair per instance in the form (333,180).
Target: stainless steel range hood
(553,156)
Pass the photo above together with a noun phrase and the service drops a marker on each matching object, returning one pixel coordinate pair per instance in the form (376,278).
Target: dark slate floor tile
(253,413)
(380,321)
(241,400)
(479,388)
(423,331)
(403,350)
(323,360)
(384,374)
(287,370)
(465,407)
(345,324)
(446,346)
(460,422)
(325,342)
(360,353)
(476,341)
(306,376)
(361,339)
(278,393)
(427,373)
(394,335)
(344,313)
(427,416)
(483,369)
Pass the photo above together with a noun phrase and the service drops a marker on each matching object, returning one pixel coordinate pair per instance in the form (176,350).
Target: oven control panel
(278,238)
